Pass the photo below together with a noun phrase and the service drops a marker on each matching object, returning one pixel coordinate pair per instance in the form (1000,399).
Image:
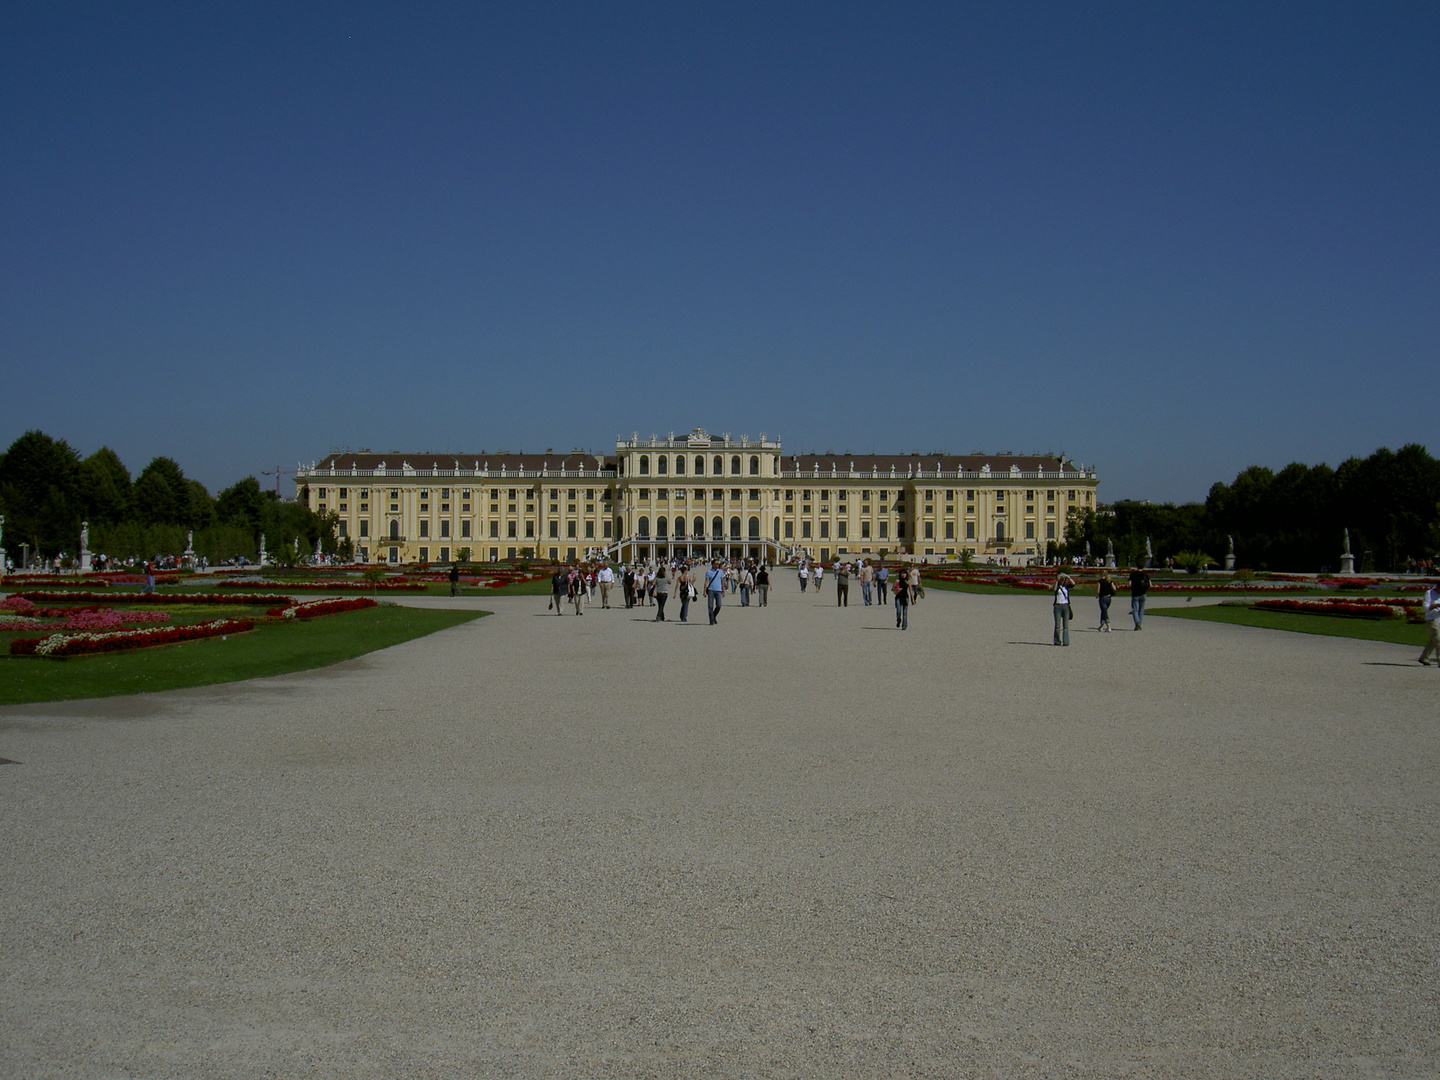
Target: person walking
(762,585)
(882,584)
(1063,584)
(149,577)
(747,582)
(576,590)
(804,576)
(817,575)
(684,582)
(902,603)
(1431,611)
(867,575)
(1104,591)
(454,579)
(714,590)
(558,584)
(842,585)
(605,578)
(1139,586)
(662,592)
(913,580)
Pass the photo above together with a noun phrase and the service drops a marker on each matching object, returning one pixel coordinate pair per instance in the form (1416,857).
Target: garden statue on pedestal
(84,547)
(189,553)
(1110,554)
(1149,554)
(1230,555)
(262,551)
(3,563)
(1347,560)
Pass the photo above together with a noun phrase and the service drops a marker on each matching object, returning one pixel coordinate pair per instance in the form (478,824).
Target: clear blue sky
(1171,240)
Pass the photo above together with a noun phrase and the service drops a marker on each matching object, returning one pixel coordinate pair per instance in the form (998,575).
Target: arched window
(717,529)
(679,464)
(699,465)
(777,528)
(699,526)
(719,464)
(644,464)
(735,465)
(661,526)
(662,465)
(680,527)
(999,530)
(734,528)
(754,465)
(754,528)
(644,526)
(394,530)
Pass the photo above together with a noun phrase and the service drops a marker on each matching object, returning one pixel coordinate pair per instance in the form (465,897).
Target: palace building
(697,495)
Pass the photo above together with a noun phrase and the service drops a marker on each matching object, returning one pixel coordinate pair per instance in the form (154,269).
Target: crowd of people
(656,584)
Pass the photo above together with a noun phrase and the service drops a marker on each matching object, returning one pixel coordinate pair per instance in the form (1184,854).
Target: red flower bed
(1358,608)
(158,598)
(311,609)
(120,640)
(328,586)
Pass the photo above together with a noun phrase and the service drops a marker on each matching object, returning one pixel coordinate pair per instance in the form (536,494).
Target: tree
(104,487)
(161,495)
(242,505)
(40,493)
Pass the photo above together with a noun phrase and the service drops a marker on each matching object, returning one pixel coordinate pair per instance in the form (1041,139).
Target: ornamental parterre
(59,645)
(311,609)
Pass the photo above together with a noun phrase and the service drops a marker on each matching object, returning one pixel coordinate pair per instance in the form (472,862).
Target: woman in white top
(1063,584)
(817,572)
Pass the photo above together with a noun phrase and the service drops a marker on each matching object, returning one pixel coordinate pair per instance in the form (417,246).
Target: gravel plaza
(797,844)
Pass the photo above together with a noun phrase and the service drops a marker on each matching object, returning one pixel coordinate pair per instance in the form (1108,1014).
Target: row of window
(717,465)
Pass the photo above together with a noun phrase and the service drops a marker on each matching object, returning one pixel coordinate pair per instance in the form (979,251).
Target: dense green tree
(104,487)
(39,494)
(161,495)
(242,505)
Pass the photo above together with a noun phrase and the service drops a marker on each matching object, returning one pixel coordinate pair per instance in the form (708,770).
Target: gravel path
(798,844)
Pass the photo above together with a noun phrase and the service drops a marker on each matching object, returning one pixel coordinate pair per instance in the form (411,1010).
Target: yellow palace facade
(696,495)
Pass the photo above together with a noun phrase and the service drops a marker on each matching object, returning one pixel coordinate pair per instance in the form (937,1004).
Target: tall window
(699,526)
(679,524)
(734,528)
(754,465)
(644,526)
(735,466)
(644,464)
(679,464)
(719,464)
(754,528)
(662,465)
(699,465)
(662,526)
(717,528)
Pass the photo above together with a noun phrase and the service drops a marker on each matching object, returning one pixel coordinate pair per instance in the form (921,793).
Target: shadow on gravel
(1390,663)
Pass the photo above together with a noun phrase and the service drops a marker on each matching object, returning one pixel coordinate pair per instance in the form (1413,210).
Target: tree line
(1291,520)
(47,489)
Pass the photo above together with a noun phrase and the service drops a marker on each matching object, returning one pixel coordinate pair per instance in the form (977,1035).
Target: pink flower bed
(85,644)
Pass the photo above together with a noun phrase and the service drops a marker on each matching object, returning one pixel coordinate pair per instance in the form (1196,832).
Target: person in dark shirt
(1139,586)
(1105,591)
(454,579)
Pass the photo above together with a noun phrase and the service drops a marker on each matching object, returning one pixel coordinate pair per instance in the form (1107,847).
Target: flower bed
(326,586)
(1349,607)
(270,599)
(57,645)
(310,609)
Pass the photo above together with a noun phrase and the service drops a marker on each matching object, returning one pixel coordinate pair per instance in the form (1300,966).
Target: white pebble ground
(798,844)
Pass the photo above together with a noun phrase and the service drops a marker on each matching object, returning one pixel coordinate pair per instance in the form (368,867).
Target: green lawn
(271,649)
(1393,630)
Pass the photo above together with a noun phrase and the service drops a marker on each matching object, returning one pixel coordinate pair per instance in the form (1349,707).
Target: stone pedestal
(1347,563)
(1230,562)
(85,564)
(1110,561)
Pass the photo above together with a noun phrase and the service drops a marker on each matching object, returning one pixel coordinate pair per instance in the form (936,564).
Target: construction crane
(276,472)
